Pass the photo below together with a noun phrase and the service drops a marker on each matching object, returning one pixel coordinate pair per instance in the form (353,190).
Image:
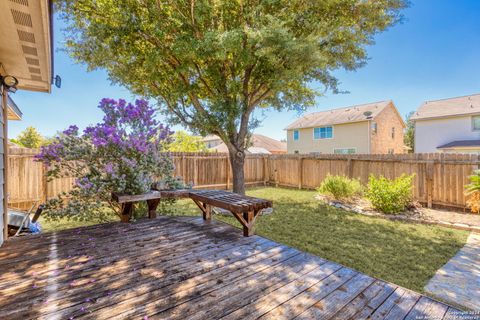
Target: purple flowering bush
(123,153)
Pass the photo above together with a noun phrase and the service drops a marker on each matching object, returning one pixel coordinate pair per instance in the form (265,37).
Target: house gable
(386,131)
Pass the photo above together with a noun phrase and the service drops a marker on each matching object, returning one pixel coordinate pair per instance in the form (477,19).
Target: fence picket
(440,178)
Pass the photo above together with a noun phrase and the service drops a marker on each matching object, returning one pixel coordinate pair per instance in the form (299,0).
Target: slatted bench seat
(244,208)
(127,201)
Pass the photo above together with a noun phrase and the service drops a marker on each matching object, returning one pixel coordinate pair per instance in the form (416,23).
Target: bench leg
(127,209)
(207,213)
(152,208)
(248,228)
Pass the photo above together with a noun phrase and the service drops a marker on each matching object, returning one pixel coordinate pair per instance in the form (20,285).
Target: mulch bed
(416,214)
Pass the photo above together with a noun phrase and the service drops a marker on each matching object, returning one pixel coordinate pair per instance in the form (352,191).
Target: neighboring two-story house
(373,128)
(448,125)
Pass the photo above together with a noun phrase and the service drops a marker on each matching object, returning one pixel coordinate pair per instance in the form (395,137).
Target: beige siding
(2,223)
(382,140)
(348,135)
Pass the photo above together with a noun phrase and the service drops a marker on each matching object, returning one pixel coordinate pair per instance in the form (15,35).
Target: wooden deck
(184,268)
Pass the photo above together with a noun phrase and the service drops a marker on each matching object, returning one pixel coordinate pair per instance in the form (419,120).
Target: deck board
(182,267)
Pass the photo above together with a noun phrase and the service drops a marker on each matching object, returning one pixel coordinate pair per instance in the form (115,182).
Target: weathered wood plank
(361,301)
(427,308)
(178,267)
(328,306)
(252,288)
(124,198)
(161,300)
(256,307)
(309,297)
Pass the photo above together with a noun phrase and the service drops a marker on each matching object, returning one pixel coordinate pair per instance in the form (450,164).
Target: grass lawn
(403,253)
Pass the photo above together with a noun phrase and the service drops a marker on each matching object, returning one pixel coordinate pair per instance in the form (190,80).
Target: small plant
(390,196)
(340,187)
(472,191)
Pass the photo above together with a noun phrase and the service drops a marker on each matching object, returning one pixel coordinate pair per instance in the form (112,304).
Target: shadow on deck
(184,268)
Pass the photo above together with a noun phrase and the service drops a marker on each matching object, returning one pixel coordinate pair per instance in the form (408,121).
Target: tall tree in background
(409,136)
(183,142)
(30,138)
(210,63)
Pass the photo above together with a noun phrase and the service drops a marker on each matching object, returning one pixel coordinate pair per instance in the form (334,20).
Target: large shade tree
(211,63)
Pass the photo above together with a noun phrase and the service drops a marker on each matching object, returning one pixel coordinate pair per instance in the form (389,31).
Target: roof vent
(22,2)
(367,114)
(26,36)
(30,50)
(32,61)
(22,18)
(34,70)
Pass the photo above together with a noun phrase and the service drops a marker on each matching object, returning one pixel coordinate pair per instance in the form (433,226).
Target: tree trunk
(237,160)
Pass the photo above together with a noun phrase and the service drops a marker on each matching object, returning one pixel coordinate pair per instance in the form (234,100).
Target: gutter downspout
(5,161)
(369,124)
(50,12)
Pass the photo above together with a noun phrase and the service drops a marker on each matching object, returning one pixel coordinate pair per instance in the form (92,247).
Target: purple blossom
(71,131)
(50,153)
(109,168)
(83,183)
(121,153)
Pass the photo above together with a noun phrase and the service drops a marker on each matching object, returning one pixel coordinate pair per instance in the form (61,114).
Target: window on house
(296,135)
(393,132)
(344,150)
(476,123)
(374,127)
(323,133)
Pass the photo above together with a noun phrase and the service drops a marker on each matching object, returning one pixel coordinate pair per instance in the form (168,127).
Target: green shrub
(340,187)
(390,196)
(472,191)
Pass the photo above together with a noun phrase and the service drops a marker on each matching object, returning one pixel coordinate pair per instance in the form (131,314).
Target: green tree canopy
(211,63)
(30,138)
(183,142)
(409,136)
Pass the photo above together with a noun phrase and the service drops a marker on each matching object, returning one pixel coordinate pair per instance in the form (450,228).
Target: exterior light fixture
(10,82)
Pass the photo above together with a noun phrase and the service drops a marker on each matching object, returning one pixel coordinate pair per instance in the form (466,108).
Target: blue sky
(433,54)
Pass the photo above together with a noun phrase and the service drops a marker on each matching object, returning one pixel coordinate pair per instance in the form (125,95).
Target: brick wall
(382,141)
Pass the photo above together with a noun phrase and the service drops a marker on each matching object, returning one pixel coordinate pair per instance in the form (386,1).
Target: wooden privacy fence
(27,182)
(439,178)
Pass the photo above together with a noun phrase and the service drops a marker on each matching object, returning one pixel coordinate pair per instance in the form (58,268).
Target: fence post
(300,173)
(184,167)
(227,172)
(265,173)
(195,171)
(44,183)
(349,167)
(429,175)
(275,173)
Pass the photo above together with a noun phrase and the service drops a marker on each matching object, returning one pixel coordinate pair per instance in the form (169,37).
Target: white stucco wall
(429,134)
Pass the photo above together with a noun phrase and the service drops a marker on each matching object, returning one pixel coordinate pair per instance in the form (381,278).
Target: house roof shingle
(338,116)
(460,143)
(457,106)
(258,141)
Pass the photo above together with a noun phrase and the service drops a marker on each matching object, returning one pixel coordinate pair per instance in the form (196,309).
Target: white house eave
(26,43)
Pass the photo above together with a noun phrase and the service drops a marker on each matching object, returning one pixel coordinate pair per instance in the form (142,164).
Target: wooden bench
(244,208)
(127,201)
